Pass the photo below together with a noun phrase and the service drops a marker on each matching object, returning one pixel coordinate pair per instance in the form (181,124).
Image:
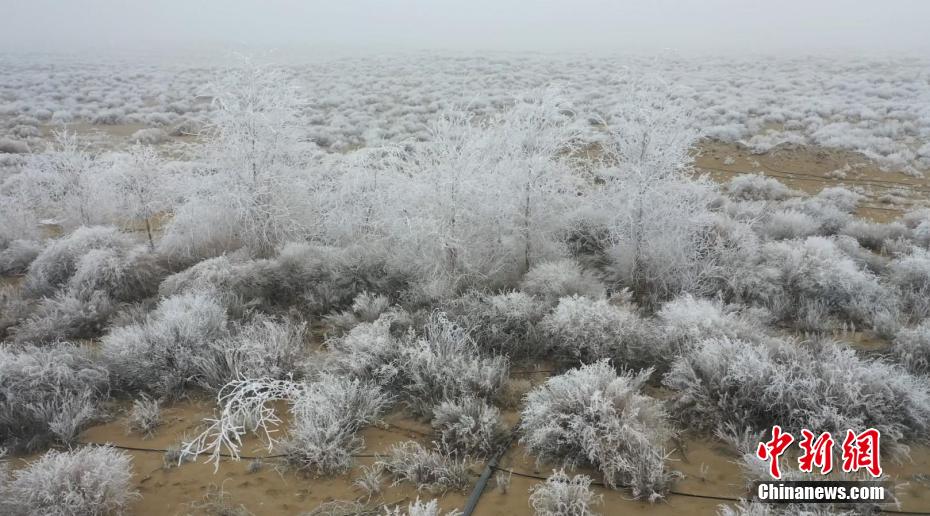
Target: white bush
(874,235)
(505,324)
(326,416)
(17,255)
(561,495)
(55,265)
(806,282)
(427,469)
(469,426)
(592,415)
(785,224)
(910,274)
(911,348)
(89,480)
(175,347)
(41,388)
(585,330)
(757,187)
(689,320)
(797,385)
(553,280)
(66,316)
(325,419)
(418,508)
(446,364)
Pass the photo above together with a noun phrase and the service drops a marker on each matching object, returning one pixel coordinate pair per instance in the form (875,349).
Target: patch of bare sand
(889,194)
(708,466)
(273,489)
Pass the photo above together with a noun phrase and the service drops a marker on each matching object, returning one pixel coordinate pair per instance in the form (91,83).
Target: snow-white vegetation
(347,239)
(561,495)
(88,480)
(594,416)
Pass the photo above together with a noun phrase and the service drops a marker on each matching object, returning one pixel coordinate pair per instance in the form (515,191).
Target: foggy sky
(685,26)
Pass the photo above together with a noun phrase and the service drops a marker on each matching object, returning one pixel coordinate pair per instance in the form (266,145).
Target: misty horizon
(590,26)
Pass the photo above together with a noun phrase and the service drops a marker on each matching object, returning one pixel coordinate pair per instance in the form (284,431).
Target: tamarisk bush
(551,281)
(561,495)
(17,255)
(757,187)
(911,348)
(797,385)
(583,330)
(428,469)
(46,392)
(594,416)
(173,348)
(326,416)
(469,426)
(88,480)
(506,324)
(446,364)
(59,261)
(418,508)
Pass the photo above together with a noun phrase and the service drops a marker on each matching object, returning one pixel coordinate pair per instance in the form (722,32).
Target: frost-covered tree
(252,177)
(139,185)
(66,183)
(655,214)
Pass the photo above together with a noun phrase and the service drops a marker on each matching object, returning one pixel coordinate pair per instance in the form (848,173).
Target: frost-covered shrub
(367,351)
(326,416)
(66,316)
(830,217)
(43,387)
(212,273)
(9,146)
(14,308)
(17,256)
(584,330)
(173,348)
(874,235)
(910,274)
(594,416)
(820,385)
(911,348)
(806,282)
(553,280)
(427,469)
(325,419)
(264,348)
(688,320)
(842,198)
(446,364)
(418,508)
(864,258)
(757,187)
(784,224)
(57,263)
(318,279)
(87,481)
(144,416)
(506,324)
(365,308)
(561,495)
(126,276)
(469,426)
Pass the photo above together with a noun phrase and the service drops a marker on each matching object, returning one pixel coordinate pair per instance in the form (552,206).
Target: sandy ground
(708,467)
(889,194)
